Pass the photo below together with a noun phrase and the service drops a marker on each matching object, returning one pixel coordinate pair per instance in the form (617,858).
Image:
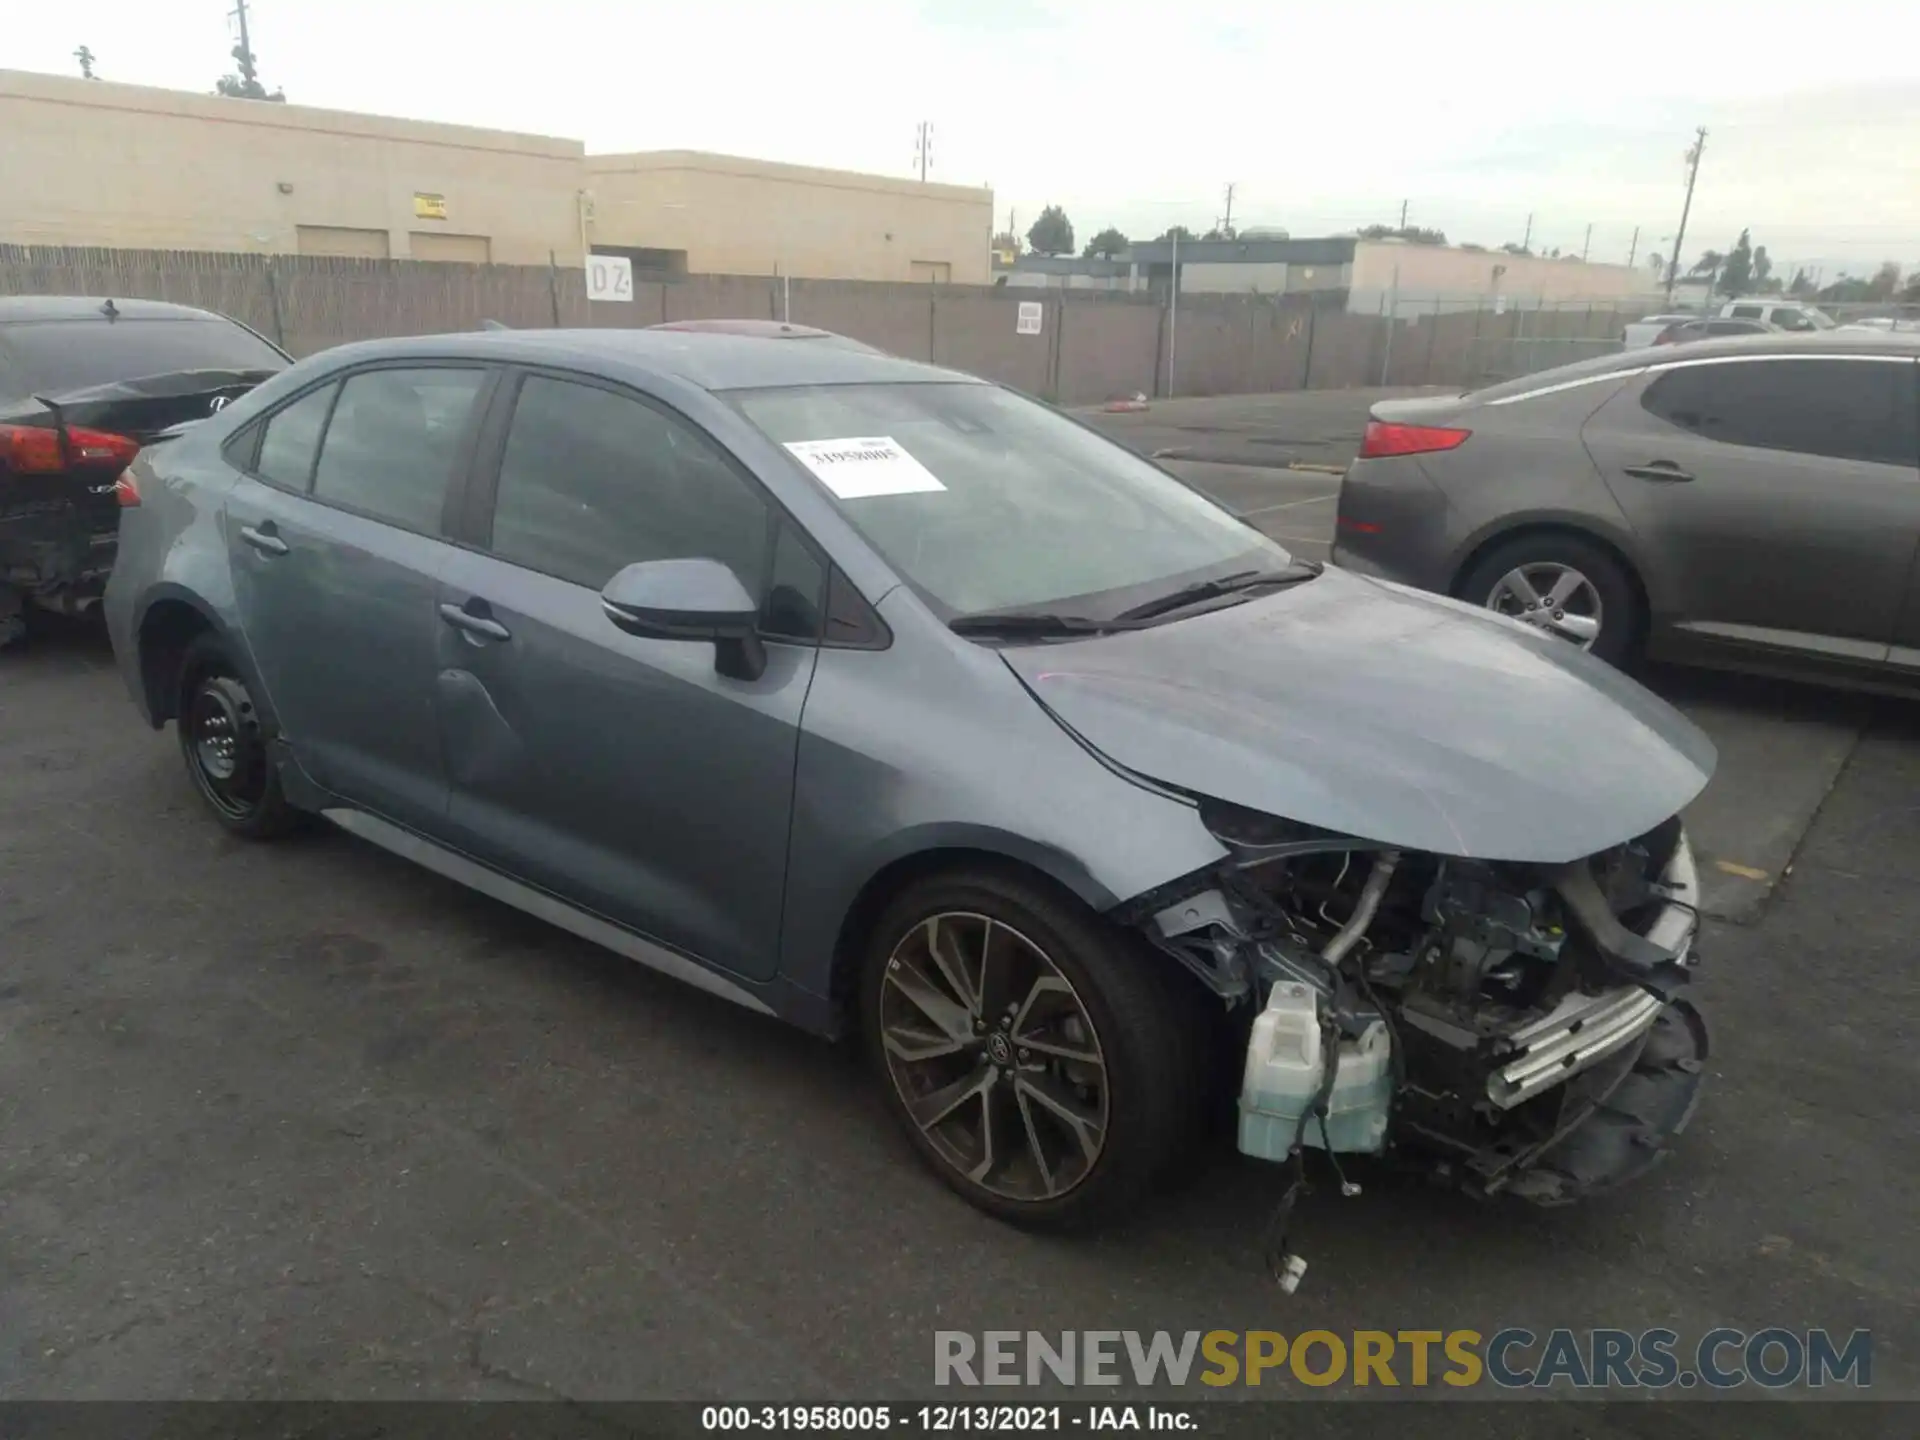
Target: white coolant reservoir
(1285,1066)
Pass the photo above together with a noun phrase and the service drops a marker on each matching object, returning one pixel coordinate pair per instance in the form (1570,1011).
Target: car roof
(775,329)
(709,360)
(18,308)
(1777,342)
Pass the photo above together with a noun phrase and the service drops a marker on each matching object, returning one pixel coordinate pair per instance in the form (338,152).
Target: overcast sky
(1475,112)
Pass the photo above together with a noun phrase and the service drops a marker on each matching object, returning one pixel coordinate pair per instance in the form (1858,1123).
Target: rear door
(625,775)
(1775,498)
(335,536)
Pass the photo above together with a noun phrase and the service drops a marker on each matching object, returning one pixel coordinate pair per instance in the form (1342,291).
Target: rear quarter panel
(172,548)
(1526,466)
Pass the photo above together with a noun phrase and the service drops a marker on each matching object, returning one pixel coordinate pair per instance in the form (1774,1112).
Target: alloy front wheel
(995,1057)
(1045,1062)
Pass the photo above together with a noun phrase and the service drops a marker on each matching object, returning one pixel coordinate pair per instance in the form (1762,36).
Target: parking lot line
(1292,504)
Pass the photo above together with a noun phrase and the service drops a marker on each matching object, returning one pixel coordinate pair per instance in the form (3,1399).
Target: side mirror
(690,600)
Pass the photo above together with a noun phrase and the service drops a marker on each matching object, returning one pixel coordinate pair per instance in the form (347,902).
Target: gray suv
(881,699)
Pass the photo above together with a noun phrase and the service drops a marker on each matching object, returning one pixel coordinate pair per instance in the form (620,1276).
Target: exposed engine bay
(1512,1028)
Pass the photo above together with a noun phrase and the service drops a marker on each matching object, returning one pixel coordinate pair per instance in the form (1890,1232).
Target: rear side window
(1843,409)
(51,357)
(1747,312)
(592,482)
(390,448)
(291,438)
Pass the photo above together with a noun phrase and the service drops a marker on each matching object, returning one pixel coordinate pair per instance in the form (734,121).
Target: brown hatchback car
(1751,503)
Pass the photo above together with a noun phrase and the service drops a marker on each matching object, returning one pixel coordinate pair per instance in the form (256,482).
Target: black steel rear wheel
(224,745)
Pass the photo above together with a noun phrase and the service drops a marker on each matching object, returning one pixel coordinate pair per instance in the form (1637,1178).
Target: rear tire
(224,745)
(1515,573)
(1054,1093)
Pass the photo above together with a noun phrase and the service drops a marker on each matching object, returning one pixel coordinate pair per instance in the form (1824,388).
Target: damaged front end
(1513,1028)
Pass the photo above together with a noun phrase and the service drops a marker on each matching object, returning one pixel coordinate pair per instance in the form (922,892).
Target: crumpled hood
(1367,708)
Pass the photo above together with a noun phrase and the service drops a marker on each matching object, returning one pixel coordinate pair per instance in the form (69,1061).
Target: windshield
(984,501)
(52,357)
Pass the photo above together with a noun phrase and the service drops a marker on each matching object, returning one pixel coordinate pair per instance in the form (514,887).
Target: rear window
(52,357)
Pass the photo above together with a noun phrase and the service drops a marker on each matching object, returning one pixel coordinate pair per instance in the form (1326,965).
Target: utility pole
(243,52)
(1526,241)
(1403,214)
(1680,239)
(1633,250)
(85,57)
(922,146)
(1226,225)
(1587,244)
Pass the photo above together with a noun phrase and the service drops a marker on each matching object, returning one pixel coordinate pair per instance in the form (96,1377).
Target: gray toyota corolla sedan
(881,699)
(1752,503)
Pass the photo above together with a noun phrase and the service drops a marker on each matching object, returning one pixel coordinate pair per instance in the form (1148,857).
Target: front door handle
(1658,470)
(474,624)
(263,540)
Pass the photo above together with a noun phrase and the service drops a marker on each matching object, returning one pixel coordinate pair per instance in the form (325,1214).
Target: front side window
(1843,409)
(291,438)
(391,445)
(1746,312)
(984,501)
(593,481)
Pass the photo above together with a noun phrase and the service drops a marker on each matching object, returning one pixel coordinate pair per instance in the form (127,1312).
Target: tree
(1412,234)
(1007,240)
(1513,247)
(1763,280)
(1802,287)
(1737,276)
(1912,293)
(1657,263)
(1885,281)
(247,89)
(85,57)
(1221,232)
(1052,233)
(1707,265)
(1107,244)
(1187,237)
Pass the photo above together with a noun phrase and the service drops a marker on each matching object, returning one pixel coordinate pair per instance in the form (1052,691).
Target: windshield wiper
(1221,585)
(1027,622)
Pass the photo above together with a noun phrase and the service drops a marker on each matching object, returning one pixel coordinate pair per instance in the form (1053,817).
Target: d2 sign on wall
(1028,322)
(609,277)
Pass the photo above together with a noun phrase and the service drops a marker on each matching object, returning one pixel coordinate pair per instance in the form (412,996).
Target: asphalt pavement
(302,1121)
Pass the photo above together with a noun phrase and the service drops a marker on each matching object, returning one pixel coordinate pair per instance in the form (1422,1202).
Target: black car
(85,384)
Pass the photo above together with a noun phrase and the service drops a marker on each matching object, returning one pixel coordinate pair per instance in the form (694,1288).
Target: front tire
(1564,585)
(1036,1057)
(224,745)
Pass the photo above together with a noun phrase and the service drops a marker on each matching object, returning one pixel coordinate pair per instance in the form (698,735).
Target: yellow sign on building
(429,207)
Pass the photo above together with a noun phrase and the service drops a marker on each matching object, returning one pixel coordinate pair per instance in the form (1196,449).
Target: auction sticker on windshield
(857,469)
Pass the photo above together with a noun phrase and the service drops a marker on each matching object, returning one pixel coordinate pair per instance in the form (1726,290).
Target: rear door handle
(263,540)
(474,624)
(1658,470)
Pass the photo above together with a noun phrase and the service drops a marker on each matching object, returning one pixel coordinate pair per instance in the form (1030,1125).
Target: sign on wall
(429,207)
(609,277)
(1028,322)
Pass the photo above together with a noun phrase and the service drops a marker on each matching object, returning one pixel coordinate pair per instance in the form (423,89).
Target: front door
(625,775)
(1775,498)
(335,544)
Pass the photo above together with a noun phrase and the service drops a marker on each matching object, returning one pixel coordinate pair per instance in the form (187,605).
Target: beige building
(1450,277)
(721,215)
(169,170)
(91,163)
